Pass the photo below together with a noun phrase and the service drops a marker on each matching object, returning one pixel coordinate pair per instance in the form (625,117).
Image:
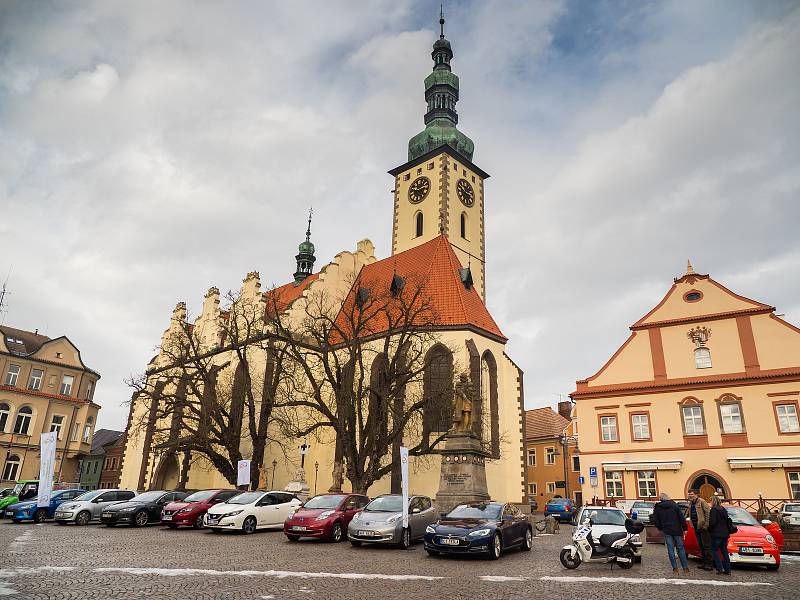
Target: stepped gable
(435,263)
(284,295)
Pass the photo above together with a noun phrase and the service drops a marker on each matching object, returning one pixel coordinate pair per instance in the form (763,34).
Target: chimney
(565,409)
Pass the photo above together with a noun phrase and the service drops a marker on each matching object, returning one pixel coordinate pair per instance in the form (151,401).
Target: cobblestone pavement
(51,561)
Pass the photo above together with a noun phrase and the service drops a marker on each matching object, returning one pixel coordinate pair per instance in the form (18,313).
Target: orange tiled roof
(544,423)
(436,266)
(286,294)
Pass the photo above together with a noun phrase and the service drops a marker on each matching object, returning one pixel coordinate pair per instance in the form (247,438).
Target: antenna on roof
(3,292)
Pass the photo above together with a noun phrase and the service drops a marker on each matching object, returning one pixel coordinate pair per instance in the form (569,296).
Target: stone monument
(463,471)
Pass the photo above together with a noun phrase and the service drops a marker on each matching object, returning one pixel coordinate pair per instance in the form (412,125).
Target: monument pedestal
(298,485)
(463,472)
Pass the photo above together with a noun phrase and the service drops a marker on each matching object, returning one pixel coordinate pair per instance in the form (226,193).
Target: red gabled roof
(544,423)
(284,295)
(436,265)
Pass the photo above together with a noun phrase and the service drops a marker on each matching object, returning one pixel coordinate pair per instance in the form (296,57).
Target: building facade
(552,461)
(91,467)
(44,386)
(703,394)
(112,464)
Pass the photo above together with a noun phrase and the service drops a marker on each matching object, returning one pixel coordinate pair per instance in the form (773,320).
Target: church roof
(544,423)
(284,295)
(436,265)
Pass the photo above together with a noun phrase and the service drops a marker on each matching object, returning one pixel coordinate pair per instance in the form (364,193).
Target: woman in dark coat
(719,532)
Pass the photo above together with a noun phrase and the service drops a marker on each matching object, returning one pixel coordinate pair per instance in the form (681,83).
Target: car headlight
(234,513)
(769,538)
(393,519)
(324,515)
(188,509)
(71,506)
(127,509)
(480,533)
(430,529)
(357,516)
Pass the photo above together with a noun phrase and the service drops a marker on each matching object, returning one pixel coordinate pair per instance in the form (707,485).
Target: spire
(305,256)
(441,21)
(689,268)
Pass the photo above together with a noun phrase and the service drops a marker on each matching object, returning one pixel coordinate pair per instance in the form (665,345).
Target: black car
(141,510)
(486,528)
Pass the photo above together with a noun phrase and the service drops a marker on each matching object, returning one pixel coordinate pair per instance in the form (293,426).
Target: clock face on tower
(419,189)
(465,192)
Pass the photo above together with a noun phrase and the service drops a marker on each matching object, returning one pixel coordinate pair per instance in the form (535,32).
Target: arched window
(438,390)
(464,225)
(490,422)
(702,358)
(23,422)
(11,468)
(418,223)
(5,413)
(379,409)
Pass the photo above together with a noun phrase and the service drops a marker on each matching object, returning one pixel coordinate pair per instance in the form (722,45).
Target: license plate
(107,515)
(449,542)
(166,518)
(365,533)
(747,550)
(212,521)
(299,528)
(9,513)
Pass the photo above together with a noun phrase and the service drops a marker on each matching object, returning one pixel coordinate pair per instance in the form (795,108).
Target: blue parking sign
(581,480)
(592,471)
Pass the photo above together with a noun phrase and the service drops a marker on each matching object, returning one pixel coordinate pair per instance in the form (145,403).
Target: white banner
(47,467)
(243,475)
(404,476)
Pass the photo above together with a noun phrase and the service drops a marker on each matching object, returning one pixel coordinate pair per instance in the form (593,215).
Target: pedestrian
(719,528)
(668,518)
(698,515)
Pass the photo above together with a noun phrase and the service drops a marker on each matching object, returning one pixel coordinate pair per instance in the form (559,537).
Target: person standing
(719,524)
(668,518)
(699,511)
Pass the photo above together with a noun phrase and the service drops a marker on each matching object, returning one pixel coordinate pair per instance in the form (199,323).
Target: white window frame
(66,386)
(58,427)
(615,479)
(551,487)
(5,412)
(73,435)
(531,455)
(693,419)
(12,375)
(87,432)
(550,455)
(648,478)
(608,425)
(702,358)
(532,489)
(794,484)
(26,417)
(789,421)
(35,381)
(640,431)
(729,421)
(10,474)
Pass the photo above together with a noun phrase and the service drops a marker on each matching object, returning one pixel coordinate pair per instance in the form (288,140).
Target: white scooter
(612,547)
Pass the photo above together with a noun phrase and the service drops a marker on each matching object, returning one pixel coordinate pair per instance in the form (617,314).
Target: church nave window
(464,225)
(418,223)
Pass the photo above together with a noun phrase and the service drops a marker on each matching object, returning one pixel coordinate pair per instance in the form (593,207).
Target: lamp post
(316,474)
(566,441)
(274,466)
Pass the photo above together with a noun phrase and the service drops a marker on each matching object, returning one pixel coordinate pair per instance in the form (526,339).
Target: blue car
(486,528)
(28,511)
(562,509)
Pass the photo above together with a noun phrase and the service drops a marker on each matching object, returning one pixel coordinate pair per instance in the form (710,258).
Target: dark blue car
(562,509)
(28,511)
(486,528)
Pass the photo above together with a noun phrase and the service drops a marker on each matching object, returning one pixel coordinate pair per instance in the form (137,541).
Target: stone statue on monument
(462,417)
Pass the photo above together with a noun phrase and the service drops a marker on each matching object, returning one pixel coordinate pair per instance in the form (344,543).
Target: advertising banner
(404,476)
(243,473)
(47,467)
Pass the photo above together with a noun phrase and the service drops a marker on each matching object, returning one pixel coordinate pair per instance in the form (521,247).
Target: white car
(250,511)
(643,510)
(790,513)
(607,519)
(87,507)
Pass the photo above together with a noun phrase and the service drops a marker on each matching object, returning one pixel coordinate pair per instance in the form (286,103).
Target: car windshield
(200,496)
(740,516)
(18,489)
(606,517)
(147,497)
(386,504)
(323,502)
(643,505)
(246,498)
(89,495)
(791,508)
(483,511)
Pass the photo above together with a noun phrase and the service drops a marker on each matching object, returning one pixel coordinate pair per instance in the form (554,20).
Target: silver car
(381,521)
(87,507)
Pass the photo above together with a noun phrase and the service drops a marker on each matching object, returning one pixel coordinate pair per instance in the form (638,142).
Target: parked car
(752,544)
(325,516)
(191,510)
(381,521)
(139,510)
(249,511)
(24,490)
(486,528)
(643,510)
(608,519)
(562,509)
(29,511)
(5,491)
(790,513)
(87,507)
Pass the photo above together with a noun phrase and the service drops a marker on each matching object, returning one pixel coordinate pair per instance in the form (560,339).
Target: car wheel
(40,515)
(249,525)
(626,553)
(405,539)
(172,525)
(569,561)
(527,542)
(336,533)
(140,519)
(496,549)
(84,517)
(355,543)
(292,538)
(198,522)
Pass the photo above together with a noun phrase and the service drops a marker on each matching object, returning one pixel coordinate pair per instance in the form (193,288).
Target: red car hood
(749,533)
(180,505)
(310,513)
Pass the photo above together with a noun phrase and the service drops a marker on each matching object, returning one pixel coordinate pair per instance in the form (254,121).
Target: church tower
(439,190)
(305,256)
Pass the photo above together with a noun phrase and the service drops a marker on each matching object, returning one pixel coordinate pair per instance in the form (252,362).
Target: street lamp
(566,441)
(316,474)
(274,466)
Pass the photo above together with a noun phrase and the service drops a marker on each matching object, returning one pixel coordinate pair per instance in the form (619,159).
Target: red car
(753,544)
(191,509)
(325,516)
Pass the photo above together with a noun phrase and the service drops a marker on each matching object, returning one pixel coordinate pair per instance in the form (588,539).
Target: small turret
(305,256)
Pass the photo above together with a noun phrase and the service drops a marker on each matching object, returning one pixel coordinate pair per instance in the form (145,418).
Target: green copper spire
(441,94)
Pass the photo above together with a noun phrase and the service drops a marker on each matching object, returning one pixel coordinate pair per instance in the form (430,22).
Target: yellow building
(703,394)
(45,386)
(438,237)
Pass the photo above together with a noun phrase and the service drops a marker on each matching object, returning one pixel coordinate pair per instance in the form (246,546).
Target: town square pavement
(51,561)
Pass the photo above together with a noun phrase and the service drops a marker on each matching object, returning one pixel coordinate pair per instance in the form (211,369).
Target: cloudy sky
(149,150)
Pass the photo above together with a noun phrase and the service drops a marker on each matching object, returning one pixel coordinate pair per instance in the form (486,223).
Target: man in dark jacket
(668,518)
(699,511)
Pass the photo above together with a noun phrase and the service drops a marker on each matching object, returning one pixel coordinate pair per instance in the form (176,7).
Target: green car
(24,490)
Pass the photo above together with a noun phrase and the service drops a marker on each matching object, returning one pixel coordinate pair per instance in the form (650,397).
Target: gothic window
(438,390)
(418,219)
(489,420)
(378,391)
(464,225)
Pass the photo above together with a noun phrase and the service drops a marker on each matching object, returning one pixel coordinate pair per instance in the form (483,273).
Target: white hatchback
(790,513)
(250,511)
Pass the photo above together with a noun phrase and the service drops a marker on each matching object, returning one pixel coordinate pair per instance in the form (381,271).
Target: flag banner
(404,475)
(243,474)
(47,467)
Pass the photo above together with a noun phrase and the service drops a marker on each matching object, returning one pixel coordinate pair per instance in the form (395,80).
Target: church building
(438,237)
